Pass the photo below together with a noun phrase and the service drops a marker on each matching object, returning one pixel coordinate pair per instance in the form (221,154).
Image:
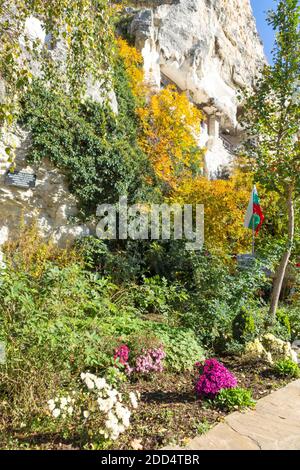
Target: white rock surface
(209,48)
(35,34)
(50,202)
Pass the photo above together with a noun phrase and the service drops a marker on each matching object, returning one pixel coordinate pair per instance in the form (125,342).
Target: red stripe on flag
(257,210)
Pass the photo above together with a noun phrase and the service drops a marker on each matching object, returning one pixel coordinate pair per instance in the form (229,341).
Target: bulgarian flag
(254,217)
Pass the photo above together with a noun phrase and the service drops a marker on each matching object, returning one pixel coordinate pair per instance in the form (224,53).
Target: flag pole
(253,228)
(253,237)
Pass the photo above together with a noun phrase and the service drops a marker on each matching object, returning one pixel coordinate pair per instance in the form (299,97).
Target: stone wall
(208,48)
(49,203)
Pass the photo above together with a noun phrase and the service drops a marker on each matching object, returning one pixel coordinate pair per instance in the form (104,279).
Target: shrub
(282,327)
(157,295)
(218,293)
(214,377)
(96,149)
(233,399)
(150,361)
(287,368)
(244,326)
(182,347)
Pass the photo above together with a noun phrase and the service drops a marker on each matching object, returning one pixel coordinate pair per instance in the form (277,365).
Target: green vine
(85,32)
(97,149)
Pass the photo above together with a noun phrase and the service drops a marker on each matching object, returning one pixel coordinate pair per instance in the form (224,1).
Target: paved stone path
(273,425)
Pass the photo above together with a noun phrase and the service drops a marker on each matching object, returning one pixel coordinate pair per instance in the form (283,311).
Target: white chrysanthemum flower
(133,400)
(112,393)
(90,376)
(56,412)
(82,376)
(126,417)
(112,421)
(100,383)
(104,405)
(51,405)
(120,410)
(86,413)
(89,383)
(121,428)
(63,402)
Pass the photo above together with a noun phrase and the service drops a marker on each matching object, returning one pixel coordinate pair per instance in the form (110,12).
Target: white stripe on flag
(249,213)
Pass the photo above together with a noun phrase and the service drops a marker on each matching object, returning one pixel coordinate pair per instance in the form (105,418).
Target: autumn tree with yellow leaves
(170,124)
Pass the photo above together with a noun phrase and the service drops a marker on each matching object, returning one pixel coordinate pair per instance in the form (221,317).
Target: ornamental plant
(213,378)
(287,368)
(98,407)
(237,398)
(150,360)
(122,354)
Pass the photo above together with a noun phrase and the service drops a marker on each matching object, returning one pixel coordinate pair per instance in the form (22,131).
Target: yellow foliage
(133,62)
(225,204)
(30,253)
(169,125)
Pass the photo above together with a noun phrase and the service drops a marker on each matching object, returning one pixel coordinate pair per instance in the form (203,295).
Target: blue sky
(260,7)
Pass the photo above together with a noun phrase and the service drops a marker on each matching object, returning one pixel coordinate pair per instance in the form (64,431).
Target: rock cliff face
(50,202)
(208,48)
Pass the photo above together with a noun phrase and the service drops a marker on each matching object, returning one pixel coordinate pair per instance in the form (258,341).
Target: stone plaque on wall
(21,179)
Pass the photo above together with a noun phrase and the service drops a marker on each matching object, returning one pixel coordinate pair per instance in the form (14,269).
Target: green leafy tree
(271,119)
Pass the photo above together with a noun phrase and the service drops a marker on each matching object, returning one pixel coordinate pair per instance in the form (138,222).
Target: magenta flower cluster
(213,377)
(122,354)
(150,361)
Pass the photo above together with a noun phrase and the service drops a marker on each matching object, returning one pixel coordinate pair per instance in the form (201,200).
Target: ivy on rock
(97,149)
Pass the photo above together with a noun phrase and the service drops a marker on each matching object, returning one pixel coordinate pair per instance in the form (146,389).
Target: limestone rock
(50,202)
(35,34)
(208,47)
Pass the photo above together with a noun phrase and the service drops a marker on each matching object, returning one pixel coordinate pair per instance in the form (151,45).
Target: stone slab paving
(273,425)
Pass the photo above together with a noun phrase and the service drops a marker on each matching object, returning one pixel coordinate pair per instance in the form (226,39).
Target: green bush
(230,399)
(243,326)
(157,295)
(287,368)
(218,294)
(95,148)
(180,344)
(293,313)
(282,327)
(182,347)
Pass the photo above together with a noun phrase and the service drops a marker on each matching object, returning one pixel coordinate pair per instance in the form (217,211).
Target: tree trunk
(281,271)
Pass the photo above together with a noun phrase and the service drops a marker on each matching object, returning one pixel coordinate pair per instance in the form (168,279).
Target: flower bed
(168,412)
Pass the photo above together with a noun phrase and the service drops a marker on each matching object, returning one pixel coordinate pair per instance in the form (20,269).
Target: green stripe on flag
(254,221)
